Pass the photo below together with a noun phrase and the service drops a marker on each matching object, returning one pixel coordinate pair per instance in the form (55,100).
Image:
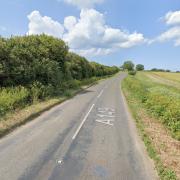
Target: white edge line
(100,94)
(83,121)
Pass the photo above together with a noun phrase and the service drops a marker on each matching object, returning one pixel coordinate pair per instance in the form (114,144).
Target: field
(168,76)
(156,108)
(169,79)
(163,102)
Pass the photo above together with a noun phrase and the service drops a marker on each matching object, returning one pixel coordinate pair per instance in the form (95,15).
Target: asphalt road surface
(89,137)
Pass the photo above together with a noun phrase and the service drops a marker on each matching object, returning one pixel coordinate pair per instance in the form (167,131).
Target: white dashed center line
(80,126)
(100,94)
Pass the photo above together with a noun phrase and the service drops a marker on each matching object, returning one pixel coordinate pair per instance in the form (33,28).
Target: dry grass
(167,147)
(170,79)
(19,117)
(169,76)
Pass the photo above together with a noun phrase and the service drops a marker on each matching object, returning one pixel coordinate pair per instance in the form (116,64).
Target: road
(89,137)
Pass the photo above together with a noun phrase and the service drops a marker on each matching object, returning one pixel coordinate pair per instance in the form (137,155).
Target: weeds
(136,102)
(11,98)
(160,101)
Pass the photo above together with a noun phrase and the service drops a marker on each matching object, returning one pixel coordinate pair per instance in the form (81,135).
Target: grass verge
(136,107)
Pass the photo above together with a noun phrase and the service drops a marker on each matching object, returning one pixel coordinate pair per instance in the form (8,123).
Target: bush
(38,91)
(133,73)
(139,67)
(44,67)
(11,98)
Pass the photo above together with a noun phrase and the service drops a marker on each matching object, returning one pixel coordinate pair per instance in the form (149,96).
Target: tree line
(44,59)
(34,68)
(131,68)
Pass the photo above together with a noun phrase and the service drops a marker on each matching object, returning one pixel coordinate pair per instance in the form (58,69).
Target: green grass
(135,101)
(11,98)
(161,101)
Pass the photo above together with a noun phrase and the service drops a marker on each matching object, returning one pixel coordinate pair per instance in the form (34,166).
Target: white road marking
(100,94)
(106,109)
(80,126)
(107,112)
(107,121)
(103,115)
(106,116)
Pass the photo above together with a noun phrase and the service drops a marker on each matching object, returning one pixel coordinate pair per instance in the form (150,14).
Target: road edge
(35,115)
(148,162)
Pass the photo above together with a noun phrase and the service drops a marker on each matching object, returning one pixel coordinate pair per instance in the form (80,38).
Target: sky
(107,31)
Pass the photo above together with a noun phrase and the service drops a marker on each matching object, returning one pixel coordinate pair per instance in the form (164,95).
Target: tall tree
(139,67)
(128,65)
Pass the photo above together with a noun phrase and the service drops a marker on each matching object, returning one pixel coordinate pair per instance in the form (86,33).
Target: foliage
(128,65)
(139,67)
(32,58)
(40,66)
(160,70)
(133,73)
(11,98)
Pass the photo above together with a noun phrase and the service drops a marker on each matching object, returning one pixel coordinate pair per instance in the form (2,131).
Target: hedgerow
(35,67)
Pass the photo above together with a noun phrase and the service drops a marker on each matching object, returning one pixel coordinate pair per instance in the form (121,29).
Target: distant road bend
(89,137)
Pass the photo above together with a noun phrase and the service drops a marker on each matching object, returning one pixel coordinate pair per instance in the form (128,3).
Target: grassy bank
(153,104)
(17,107)
(161,101)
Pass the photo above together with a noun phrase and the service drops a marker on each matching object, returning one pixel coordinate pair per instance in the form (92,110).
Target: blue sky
(107,31)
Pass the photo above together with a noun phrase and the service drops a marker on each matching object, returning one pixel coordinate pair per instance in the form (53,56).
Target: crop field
(161,101)
(169,76)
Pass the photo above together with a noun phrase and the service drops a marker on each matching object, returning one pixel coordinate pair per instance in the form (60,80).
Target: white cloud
(88,35)
(91,36)
(83,3)
(173,33)
(70,22)
(172,18)
(43,24)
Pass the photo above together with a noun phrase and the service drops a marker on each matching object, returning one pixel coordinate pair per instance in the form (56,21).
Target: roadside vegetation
(131,68)
(156,108)
(39,67)
(161,101)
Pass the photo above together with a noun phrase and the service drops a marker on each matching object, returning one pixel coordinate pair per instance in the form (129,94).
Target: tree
(139,67)
(44,59)
(128,65)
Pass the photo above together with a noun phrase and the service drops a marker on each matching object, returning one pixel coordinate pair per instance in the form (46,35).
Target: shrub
(139,67)
(133,73)
(44,66)
(38,91)
(11,98)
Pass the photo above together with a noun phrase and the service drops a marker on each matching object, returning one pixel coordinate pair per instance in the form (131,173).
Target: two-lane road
(90,137)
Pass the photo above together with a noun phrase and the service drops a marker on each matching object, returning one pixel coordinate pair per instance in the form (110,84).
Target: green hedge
(35,67)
